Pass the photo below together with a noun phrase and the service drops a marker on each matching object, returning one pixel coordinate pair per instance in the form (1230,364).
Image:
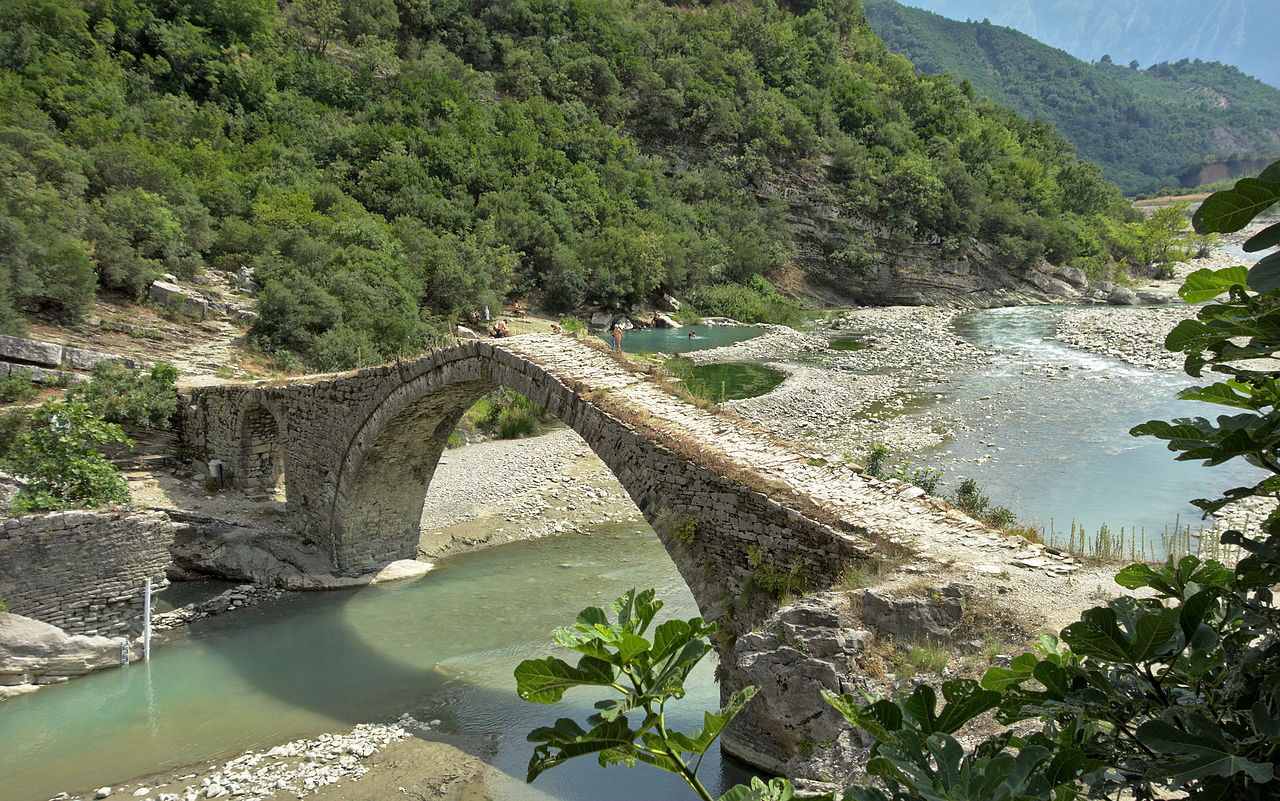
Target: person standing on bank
(617,337)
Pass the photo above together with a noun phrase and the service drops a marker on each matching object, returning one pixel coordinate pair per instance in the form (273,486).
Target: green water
(847,343)
(676,340)
(441,647)
(728,381)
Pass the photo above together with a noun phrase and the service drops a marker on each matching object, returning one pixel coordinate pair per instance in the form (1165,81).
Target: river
(1051,444)
(1046,433)
(441,647)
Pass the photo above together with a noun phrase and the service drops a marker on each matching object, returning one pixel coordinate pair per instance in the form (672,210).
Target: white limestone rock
(36,650)
(30,351)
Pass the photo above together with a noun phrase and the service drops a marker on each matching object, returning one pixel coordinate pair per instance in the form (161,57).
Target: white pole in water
(146,623)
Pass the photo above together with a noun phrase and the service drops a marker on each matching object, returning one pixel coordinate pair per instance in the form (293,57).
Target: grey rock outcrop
(1122,296)
(788,728)
(814,645)
(915,273)
(913,616)
(209,547)
(30,351)
(87,358)
(176,298)
(34,653)
(664,321)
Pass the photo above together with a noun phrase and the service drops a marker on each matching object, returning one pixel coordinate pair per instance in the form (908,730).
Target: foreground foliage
(645,676)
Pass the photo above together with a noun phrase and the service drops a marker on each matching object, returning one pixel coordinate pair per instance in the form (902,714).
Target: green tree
(58,452)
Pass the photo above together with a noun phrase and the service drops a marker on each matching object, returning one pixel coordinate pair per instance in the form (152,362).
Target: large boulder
(663,321)
(820,643)
(913,616)
(272,559)
(30,351)
(800,651)
(32,652)
(175,298)
(1122,296)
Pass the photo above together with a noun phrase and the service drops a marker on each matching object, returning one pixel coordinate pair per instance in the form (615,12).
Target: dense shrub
(119,394)
(755,302)
(16,386)
(58,453)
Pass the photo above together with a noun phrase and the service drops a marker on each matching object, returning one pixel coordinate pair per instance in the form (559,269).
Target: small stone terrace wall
(83,571)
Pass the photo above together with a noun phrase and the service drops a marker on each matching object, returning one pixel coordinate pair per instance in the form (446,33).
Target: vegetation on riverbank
(502,414)
(385,168)
(57,448)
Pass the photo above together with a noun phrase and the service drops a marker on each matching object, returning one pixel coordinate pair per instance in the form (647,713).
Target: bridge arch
(262,433)
(359,451)
(387,466)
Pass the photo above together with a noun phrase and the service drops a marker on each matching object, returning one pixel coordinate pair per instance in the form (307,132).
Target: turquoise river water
(440,647)
(676,340)
(1053,444)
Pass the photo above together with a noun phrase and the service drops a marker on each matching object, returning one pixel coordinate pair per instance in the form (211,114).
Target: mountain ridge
(1149,128)
(1236,32)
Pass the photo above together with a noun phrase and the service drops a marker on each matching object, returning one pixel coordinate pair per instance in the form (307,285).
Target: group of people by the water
(499,329)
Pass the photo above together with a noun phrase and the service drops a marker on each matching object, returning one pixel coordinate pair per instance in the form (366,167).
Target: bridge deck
(887,509)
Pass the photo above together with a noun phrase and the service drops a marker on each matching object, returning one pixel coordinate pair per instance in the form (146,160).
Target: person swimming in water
(693,335)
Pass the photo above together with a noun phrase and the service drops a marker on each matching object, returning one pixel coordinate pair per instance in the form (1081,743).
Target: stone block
(87,358)
(30,351)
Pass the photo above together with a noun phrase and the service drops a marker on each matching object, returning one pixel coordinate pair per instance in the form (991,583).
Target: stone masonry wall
(83,571)
(360,449)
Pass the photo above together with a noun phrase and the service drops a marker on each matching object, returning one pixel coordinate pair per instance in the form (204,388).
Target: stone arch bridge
(731,503)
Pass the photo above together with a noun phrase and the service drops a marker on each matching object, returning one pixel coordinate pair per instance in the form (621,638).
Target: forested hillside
(1148,128)
(385,168)
(1236,32)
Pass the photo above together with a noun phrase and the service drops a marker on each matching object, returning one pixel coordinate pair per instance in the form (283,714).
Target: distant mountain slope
(1238,32)
(1147,128)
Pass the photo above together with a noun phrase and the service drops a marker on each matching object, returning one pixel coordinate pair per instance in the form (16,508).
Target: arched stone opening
(378,518)
(261,464)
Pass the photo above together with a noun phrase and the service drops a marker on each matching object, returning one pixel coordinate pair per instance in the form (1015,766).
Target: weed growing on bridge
(685,530)
(777,581)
